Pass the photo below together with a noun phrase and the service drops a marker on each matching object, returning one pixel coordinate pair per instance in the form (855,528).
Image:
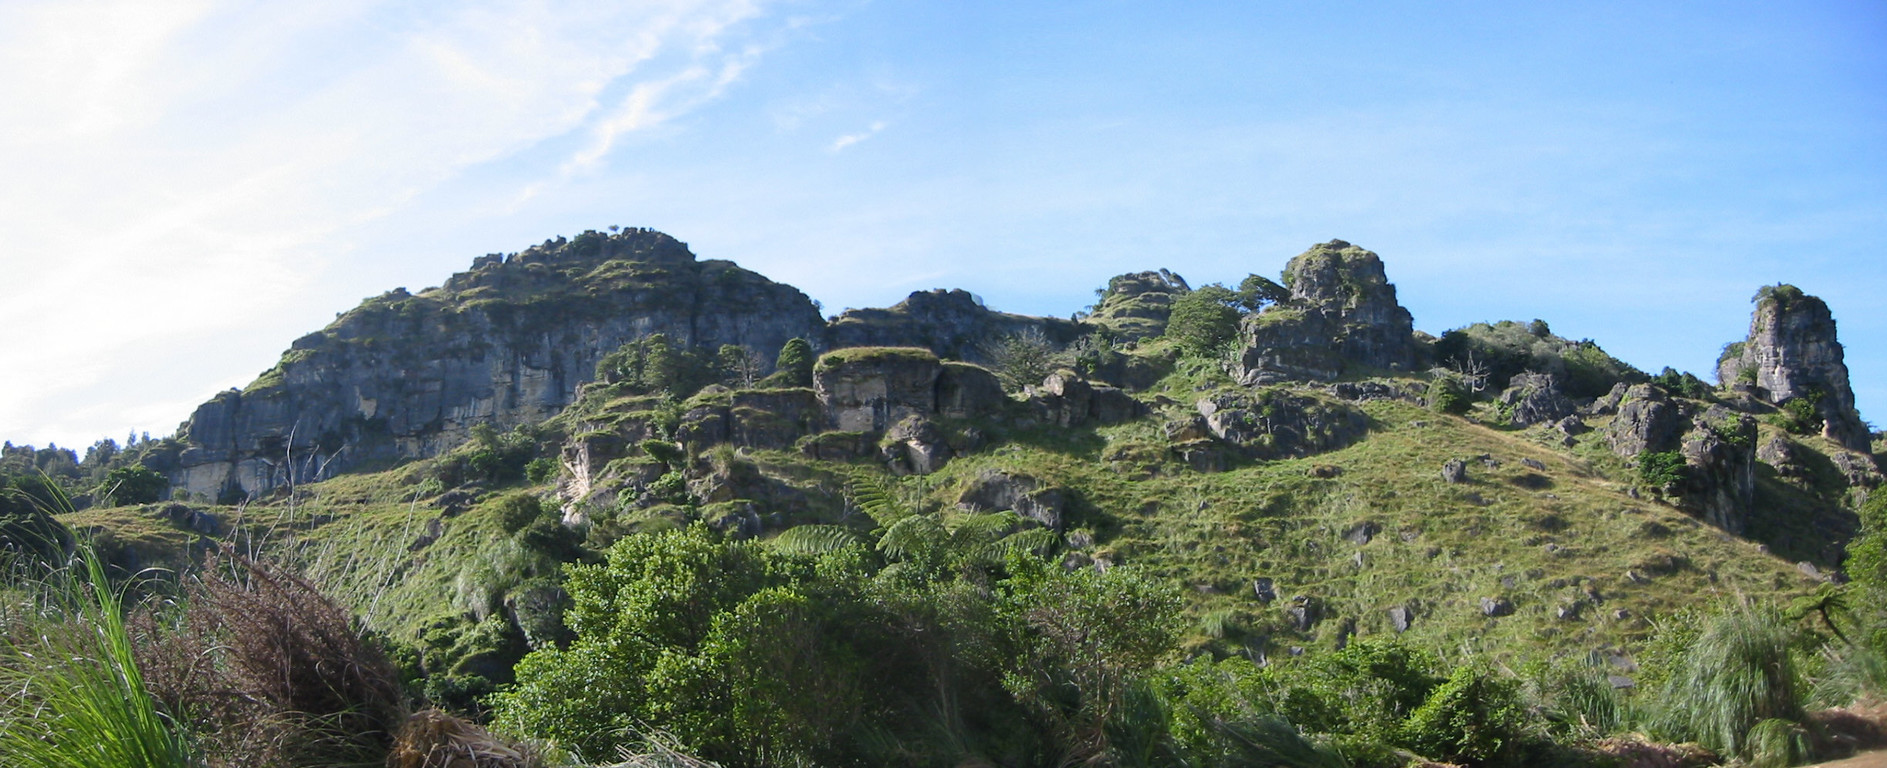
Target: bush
(1800,415)
(1473,718)
(1023,359)
(1446,394)
(793,367)
(1203,321)
(133,485)
(1662,470)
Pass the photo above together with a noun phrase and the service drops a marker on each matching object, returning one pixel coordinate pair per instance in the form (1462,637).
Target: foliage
(793,367)
(490,456)
(1203,321)
(1024,358)
(1738,672)
(1446,394)
(1683,384)
(1801,415)
(76,697)
(1257,291)
(27,528)
(653,364)
(133,485)
(1508,348)
(1473,718)
(1662,469)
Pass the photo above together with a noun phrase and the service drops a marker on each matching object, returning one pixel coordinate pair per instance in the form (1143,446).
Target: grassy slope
(1542,539)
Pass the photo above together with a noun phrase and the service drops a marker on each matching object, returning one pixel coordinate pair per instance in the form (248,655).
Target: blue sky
(191,185)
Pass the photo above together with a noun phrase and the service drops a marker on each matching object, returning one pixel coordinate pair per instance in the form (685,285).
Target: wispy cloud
(849,139)
(204,163)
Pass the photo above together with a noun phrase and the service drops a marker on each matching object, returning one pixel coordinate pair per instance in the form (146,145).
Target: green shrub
(1801,415)
(513,511)
(1446,394)
(1473,718)
(1662,469)
(135,484)
(1203,321)
(542,469)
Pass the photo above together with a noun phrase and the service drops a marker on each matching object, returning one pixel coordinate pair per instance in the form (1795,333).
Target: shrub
(1447,395)
(1662,470)
(794,364)
(133,485)
(1473,718)
(542,469)
(1023,359)
(1203,321)
(1800,415)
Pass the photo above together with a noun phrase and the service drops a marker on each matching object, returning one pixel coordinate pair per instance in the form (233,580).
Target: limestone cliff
(1792,353)
(1342,312)
(508,342)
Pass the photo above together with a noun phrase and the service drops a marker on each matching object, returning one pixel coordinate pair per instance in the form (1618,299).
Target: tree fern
(813,540)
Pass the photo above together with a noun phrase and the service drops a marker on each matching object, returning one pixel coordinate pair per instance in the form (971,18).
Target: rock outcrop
(406,376)
(1279,424)
(952,324)
(1342,312)
(1535,398)
(1135,306)
(1720,469)
(1792,353)
(1067,400)
(1648,420)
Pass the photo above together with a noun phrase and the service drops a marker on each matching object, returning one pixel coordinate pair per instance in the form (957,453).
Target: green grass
(75,697)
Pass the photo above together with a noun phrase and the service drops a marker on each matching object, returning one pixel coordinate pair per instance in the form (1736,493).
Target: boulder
(996,490)
(949,323)
(1454,471)
(915,446)
(1399,618)
(1648,420)
(1720,484)
(966,391)
(1067,400)
(1136,306)
(872,388)
(1496,606)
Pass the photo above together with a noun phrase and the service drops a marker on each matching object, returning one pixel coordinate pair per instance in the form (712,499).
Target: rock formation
(1535,398)
(1792,353)
(1136,306)
(1342,312)
(407,375)
(951,324)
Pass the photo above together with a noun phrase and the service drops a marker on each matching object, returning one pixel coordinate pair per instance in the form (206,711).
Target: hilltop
(1291,454)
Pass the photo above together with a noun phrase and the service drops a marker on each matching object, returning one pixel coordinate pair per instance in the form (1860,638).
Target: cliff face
(1792,353)
(1342,312)
(407,376)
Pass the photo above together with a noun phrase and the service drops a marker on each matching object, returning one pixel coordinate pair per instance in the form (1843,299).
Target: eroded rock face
(1067,400)
(1278,424)
(1136,305)
(407,375)
(1535,398)
(1720,456)
(1342,312)
(870,389)
(1792,353)
(915,446)
(951,324)
(996,490)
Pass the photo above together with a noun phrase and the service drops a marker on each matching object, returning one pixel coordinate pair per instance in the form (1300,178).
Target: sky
(188,185)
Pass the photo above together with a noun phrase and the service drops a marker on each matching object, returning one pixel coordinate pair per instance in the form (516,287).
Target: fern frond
(912,535)
(814,540)
(876,498)
(1040,541)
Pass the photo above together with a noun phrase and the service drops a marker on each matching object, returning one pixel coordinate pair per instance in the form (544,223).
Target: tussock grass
(73,693)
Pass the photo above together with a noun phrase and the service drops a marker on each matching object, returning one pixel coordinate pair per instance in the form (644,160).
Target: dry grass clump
(270,672)
(435,739)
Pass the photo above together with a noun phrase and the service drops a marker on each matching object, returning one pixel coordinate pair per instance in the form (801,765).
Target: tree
(1203,321)
(135,484)
(794,366)
(1255,291)
(740,367)
(1023,358)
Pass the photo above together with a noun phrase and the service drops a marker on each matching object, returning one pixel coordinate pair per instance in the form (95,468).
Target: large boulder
(1720,462)
(995,490)
(952,324)
(1792,352)
(1342,313)
(1067,400)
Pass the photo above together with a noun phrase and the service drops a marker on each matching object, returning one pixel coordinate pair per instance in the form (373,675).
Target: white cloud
(184,170)
(853,138)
